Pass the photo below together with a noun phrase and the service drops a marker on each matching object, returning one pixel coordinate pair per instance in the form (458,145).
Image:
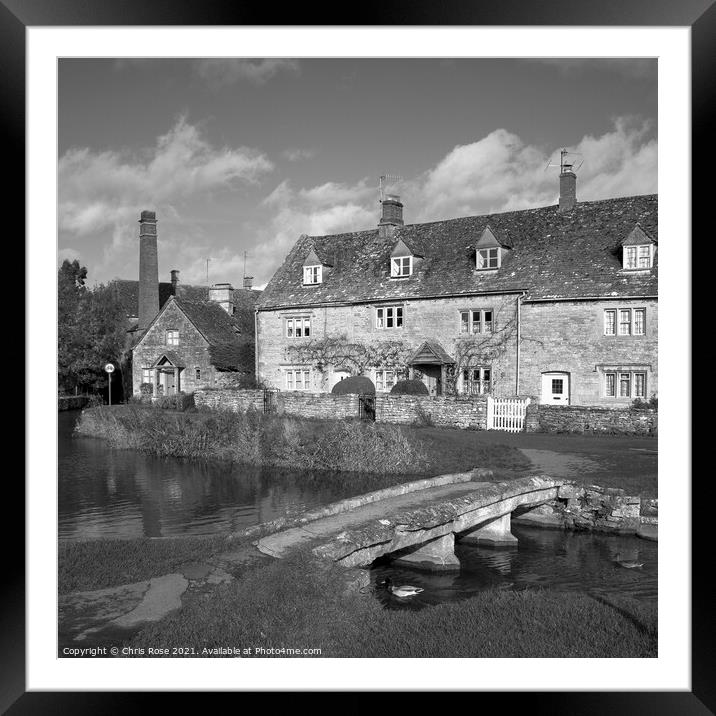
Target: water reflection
(105,493)
(570,561)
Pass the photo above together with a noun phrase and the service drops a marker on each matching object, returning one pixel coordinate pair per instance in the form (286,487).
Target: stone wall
(399,409)
(584,419)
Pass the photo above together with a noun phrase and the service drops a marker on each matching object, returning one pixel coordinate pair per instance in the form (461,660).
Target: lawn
(292,604)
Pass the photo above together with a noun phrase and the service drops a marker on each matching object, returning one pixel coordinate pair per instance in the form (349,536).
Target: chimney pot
(391,216)
(248,281)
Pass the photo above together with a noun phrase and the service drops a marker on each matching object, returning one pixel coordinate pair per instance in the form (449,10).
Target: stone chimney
(174,273)
(248,281)
(223,294)
(392,215)
(567,188)
(148,270)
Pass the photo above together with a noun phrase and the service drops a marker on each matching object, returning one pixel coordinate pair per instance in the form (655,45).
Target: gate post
(490,412)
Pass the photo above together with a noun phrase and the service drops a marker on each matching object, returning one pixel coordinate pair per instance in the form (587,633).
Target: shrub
(409,387)
(146,389)
(423,419)
(360,384)
(178,401)
(95,401)
(639,404)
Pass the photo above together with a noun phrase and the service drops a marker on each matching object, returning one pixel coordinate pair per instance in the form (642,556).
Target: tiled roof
(128,293)
(554,255)
(210,319)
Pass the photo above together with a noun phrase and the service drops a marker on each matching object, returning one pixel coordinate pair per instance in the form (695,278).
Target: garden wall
(400,409)
(585,419)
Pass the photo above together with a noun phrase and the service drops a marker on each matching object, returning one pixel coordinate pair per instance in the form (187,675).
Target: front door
(432,377)
(555,388)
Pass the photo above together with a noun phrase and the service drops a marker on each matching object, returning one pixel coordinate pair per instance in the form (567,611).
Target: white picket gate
(506,413)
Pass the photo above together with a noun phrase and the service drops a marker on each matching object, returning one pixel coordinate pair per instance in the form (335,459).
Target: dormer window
(401,266)
(488,258)
(637,257)
(312,274)
(638,250)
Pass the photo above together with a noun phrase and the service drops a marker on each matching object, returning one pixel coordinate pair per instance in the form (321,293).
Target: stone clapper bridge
(416,524)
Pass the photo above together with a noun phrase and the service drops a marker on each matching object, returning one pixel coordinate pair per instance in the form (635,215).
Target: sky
(239,157)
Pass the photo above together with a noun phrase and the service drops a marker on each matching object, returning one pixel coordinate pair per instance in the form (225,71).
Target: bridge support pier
(497,533)
(436,555)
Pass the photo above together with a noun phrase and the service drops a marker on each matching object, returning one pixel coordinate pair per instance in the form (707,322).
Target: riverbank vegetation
(297,443)
(295,604)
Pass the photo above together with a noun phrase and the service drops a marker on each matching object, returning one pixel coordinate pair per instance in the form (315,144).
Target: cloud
(102,192)
(297,155)
(221,72)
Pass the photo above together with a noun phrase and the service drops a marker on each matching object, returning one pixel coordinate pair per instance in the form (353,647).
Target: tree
(71,289)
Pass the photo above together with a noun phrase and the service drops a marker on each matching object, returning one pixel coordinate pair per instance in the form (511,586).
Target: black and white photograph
(358,357)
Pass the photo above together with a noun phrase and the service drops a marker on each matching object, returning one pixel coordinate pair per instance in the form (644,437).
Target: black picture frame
(699,15)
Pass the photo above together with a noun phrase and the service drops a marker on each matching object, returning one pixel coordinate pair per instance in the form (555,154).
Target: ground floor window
(197,373)
(298,379)
(625,384)
(147,376)
(385,379)
(477,380)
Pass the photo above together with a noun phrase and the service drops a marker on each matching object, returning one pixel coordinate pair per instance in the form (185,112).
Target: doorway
(555,388)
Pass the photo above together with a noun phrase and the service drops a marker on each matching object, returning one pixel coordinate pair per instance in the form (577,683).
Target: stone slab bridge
(417,523)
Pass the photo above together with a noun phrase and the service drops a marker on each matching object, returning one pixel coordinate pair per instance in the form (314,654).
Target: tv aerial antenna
(566,164)
(385,181)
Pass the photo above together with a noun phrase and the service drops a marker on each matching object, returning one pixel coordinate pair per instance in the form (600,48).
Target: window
(298,379)
(625,322)
(625,384)
(385,379)
(147,375)
(401,266)
(172,337)
(389,317)
(488,258)
(312,274)
(638,257)
(476,321)
(477,381)
(197,373)
(299,327)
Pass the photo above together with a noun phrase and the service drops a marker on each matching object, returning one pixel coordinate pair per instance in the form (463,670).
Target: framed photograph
(404,276)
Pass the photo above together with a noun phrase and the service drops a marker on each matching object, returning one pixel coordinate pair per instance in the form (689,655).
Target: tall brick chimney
(567,188)
(148,270)
(392,215)
(174,273)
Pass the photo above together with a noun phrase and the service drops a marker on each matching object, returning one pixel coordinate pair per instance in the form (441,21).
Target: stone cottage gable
(553,256)
(171,316)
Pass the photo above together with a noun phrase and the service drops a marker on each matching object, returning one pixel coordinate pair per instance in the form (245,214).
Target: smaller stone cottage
(188,344)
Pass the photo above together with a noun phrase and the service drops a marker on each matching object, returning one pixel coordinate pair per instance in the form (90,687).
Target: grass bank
(297,443)
(291,604)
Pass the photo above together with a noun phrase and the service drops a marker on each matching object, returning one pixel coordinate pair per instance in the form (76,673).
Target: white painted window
(385,379)
(147,375)
(312,274)
(625,322)
(298,327)
(172,337)
(625,384)
(401,266)
(298,379)
(488,258)
(638,257)
(477,321)
(389,317)
(477,380)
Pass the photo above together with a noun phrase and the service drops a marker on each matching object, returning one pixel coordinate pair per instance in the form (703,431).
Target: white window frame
(482,383)
(382,384)
(312,275)
(401,266)
(618,378)
(298,379)
(394,314)
(631,324)
(485,257)
(148,375)
(293,324)
(634,255)
(480,322)
(171,337)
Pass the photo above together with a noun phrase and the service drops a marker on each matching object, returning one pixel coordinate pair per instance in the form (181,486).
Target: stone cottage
(558,303)
(184,337)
